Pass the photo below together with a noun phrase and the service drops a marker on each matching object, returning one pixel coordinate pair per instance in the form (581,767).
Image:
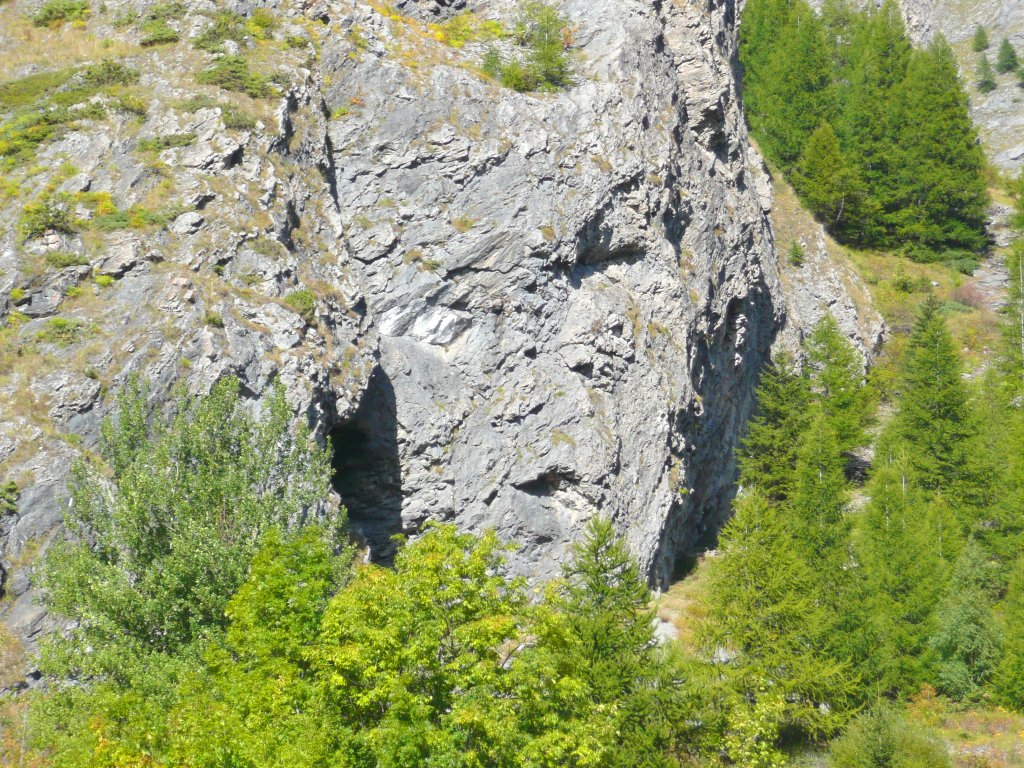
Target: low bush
(54,12)
(65,259)
(547,66)
(225,26)
(61,331)
(44,216)
(109,72)
(161,143)
(881,739)
(157,32)
(232,73)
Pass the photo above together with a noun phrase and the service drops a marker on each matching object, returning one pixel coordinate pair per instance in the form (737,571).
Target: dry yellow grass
(682,604)
(26,46)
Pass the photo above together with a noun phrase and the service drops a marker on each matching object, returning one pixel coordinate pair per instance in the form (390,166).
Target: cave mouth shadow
(367,471)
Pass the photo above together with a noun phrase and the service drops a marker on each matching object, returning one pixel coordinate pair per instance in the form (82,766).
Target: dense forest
(874,134)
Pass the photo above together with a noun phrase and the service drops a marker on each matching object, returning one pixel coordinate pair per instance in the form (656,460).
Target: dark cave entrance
(367,471)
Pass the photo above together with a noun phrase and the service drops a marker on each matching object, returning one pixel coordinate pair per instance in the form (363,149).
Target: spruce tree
(796,87)
(758,42)
(943,199)
(984,78)
(980,40)
(827,185)
(837,372)
(1009,679)
(768,452)
(967,640)
(1006,58)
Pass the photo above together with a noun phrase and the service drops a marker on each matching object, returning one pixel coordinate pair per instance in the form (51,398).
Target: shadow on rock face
(367,472)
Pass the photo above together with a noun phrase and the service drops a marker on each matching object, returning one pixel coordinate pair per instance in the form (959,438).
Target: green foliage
(979,42)
(1010,675)
(1006,58)
(768,456)
(64,259)
(967,640)
(157,32)
(547,66)
(764,618)
(303,302)
(225,26)
(883,739)
(934,421)
(985,78)
(232,73)
(27,91)
(54,12)
(826,182)
(877,138)
(837,373)
(61,331)
(109,72)
(48,214)
(8,497)
(796,255)
(157,550)
(161,143)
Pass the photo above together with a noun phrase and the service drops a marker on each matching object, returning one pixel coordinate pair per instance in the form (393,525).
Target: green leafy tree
(768,454)
(763,620)
(837,372)
(1009,678)
(979,42)
(984,77)
(1006,58)
(942,200)
(881,738)
(158,549)
(825,181)
(967,640)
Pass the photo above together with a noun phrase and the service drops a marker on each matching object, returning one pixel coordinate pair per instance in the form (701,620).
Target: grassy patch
(304,303)
(224,27)
(26,91)
(62,331)
(467,27)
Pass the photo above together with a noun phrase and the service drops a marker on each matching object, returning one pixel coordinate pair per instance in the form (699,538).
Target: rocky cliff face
(527,308)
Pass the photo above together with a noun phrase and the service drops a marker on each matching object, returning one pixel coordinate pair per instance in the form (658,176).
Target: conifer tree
(768,454)
(903,577)
(867,128)
(758,42)
(967,641)
(984,78)
(934,423)
(1006,58)
(763,617)
(980,41)
(943,199)
(826,183)
(838,377)
(796,87)
(1010,675)
(1012,358)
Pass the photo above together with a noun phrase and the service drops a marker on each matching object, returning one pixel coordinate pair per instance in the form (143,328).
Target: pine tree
(768,454)
(826,183)
(934,422)
(903,576)
(1010,676)
(758,43)
(838,377)
(943,200)
(796,87)
(763,617)
(967,641)
(868,130)
(1006,58)
(980,40)
(984,78)
(1012,357)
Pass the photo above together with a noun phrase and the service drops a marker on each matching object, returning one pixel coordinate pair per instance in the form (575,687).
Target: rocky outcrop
(526,308)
